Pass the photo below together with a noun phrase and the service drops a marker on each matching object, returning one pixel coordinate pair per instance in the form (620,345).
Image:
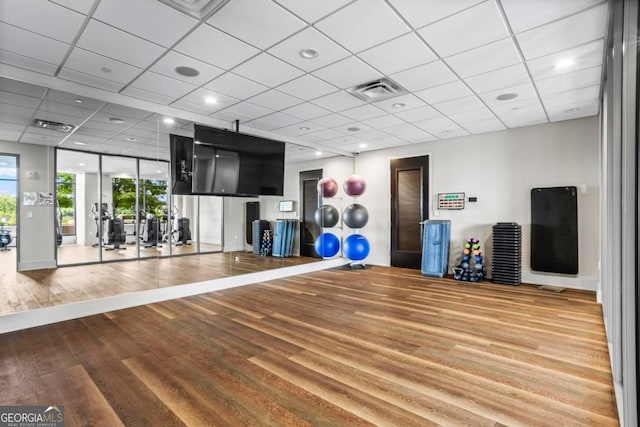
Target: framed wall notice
(452,201)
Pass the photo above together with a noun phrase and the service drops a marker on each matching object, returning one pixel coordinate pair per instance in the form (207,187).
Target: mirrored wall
(115,208)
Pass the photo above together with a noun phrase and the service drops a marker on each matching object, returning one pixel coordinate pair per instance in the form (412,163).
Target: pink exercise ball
(354,185)
(327,187)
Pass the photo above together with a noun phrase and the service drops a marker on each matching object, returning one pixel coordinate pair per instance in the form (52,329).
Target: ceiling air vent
(377,90)
(197,8)
(46,124)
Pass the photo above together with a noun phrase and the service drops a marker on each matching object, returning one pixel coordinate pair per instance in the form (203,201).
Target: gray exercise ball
(326,216)
(355,216)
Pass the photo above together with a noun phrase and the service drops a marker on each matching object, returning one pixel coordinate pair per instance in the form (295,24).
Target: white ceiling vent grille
(377,90)
(197,8)
(47,124)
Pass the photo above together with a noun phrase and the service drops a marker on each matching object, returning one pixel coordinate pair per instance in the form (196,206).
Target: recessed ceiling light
(117,120)
(363,145)
(308,53)
(565,63)
(81,164)
(506,96)
(168,120)
(158,171)
(572,110)
(318,153)
(106,69)
(398,105)
(79,143)
(78,100)
(304,128)
(131,139)
(4,164)
(187,71)
(446,131)
(210,100)
(353,129)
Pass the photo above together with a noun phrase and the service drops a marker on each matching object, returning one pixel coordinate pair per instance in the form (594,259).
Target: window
(66,197)
(8,190)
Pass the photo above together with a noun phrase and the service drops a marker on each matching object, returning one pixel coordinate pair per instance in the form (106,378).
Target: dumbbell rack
(507,253)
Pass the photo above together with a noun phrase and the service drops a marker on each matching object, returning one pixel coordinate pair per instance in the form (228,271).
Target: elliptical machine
(5,235)
(101,216)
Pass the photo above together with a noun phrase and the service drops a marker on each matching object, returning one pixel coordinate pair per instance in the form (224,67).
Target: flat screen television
(228,163)
(181,149)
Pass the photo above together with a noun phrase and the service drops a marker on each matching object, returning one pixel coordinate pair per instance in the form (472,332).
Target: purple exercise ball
(327,187)
(354,185)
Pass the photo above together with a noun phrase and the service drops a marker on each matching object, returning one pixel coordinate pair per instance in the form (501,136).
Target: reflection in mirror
(81,218)
(154,210)
(184,234)
(119,186)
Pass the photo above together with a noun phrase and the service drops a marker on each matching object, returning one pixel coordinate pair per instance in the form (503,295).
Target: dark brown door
(309,230)
(409,206)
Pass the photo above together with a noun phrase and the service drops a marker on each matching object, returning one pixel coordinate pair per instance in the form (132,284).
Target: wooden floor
(381,346)
(48,287)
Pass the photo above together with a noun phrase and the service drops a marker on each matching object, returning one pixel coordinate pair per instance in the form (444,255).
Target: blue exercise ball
(327,245)
(355,216)
(356,247)
(326,216)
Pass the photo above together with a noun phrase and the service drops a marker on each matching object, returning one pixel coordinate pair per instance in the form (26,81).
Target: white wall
(211,220)
(36,235)
(500,168)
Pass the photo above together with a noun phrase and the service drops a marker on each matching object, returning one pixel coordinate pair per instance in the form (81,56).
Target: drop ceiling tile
(332,120)
(34,138)
(115,110)
(425,76)
(523,17)
(564,34)
(63,109)
(472,116)
(168,63)
(504,77)
(58,117)
(31,45)
(354,128)
(21,88)
(423,12)
(267,70)
(15,114)
(193,108)
(306,111)
(521,113)
(313,10)
(274,100)
(451,133)
(400,103)
(81,6)
(363,24)
(363,112)
(299,129)
(483,126)
(309,38)
(220,50)
(273,121)
(109,41)
(358,146)
(524,91)
(138,133)
(471,28)
(341,142)
(323,135)
(307,87)
(245,110)
(100,66)
(569,81)
(418,137)
(236,86)
(199,99)
(19,100)
(437,126)
(261,23)
(148,96)
(383,122)
(581,109)
(13,127)
(27,63)
(445,92)
(162,85)
(43,17)
(486,58)
(419,114)
(401,130)
(586,56)
(10,135)
(374,135)
(569,98)
(126,15)
(89,80)
(405,52)
(461,105)
(88,130)
(348,72)
(525,120)
(338,101)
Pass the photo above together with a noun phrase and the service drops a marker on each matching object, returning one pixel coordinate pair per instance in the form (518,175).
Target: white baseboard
(36,265)
(43,316)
